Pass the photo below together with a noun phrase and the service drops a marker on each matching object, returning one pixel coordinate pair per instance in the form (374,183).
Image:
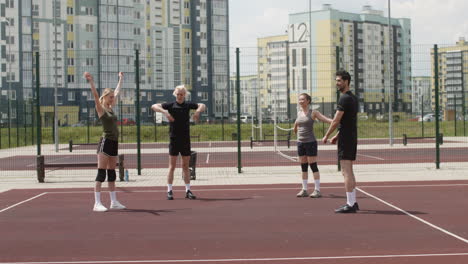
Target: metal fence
(400,115)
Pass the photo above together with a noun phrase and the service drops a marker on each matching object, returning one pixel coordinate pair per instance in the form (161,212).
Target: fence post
(436,84)
(70,145)
(137,110)
(38,107)
(337,59)
(239,156)
(40,168)
(121,167)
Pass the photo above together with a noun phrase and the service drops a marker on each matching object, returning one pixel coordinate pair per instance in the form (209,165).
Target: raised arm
(117,89)
(321,117)
(160,109)
(201,108)
(90,80)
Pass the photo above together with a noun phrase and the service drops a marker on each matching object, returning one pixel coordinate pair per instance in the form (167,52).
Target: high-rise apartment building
(272,77)
(453,76)
(421,96)
(362,41)
(179,42)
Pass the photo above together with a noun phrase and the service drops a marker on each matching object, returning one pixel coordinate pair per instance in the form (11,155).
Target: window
(294,57)
(89,28)
(89,11)
(70,27)
(187,35)
(71,61)
(10,57)
(71,78)
(70,44)
(89,44)
(10,3)
(10,40)
(69,10)
(89,61)
(304,78)
(304,56)
(71,96)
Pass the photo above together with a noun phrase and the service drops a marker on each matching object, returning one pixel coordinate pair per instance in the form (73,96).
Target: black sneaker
(346,209)
(356,206)
(189,195)
(170,196)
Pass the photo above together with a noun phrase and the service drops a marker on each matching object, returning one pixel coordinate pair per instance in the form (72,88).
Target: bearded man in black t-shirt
(346,118)
(178,114)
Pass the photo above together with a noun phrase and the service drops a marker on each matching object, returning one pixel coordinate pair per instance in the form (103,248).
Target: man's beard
(340,88)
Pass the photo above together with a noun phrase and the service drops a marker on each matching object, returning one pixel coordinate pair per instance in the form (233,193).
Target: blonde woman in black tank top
(307,143)
(108,144)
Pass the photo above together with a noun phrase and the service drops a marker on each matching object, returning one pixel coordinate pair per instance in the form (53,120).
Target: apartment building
(421,95)
(363,42)
(453,73)
(178,41)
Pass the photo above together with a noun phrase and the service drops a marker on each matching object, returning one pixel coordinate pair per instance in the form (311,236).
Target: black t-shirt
(180,128)
(348,103)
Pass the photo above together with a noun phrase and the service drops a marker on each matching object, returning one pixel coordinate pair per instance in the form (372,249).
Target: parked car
(80,124)
(126,122)
(429,118)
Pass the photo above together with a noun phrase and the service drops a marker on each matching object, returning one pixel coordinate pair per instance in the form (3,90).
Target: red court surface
(411,222)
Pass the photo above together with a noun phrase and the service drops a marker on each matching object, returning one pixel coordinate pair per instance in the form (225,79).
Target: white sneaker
(99,208)
(117,205)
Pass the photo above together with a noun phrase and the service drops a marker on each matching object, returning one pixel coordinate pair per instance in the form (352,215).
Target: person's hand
(121,74)
(325,139)
(169,117)
(196,117)
(334,139)
(88,76)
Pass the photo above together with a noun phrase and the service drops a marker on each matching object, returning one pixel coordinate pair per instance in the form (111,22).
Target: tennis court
(411,222)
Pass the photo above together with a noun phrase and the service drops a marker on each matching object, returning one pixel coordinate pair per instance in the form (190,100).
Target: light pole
(9,81)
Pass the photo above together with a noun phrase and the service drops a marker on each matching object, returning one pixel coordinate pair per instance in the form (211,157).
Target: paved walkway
(230,176)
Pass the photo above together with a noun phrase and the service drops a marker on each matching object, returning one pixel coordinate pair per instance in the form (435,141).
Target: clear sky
(432,21)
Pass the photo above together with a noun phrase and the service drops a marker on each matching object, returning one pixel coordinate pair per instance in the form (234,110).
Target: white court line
(415,217)
(271,189)
(208,158)
(239,259)
(372,157)
(25,201)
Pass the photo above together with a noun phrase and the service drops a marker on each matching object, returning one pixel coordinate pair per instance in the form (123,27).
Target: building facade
(249,98)
(421,96)
(273,88)
(178,42)
(361,44)
(453,73)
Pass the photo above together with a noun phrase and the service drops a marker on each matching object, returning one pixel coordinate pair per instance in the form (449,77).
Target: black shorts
(177,146)
(108,147)
(347,149)
(307,149)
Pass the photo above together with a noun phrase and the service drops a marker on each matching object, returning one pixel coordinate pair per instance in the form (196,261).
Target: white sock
(317,184)
(113,196)
(97,197)
(187,187)
(349,198)
(169,187)
(304,184)
(354,196)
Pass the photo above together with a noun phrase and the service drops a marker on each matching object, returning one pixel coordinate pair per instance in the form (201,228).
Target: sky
(432,21)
